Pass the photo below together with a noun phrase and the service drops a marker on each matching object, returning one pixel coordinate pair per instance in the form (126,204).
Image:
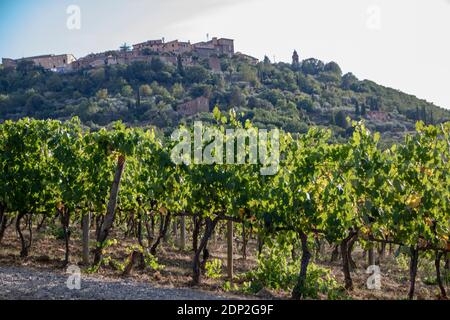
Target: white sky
(406,46)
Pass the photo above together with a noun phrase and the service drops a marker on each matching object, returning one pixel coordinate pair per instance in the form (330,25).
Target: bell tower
(295,59)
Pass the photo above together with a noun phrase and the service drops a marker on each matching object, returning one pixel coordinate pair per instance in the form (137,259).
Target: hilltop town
(169,52)
(165,84)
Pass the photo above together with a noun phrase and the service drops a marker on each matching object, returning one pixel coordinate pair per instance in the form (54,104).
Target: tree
(148,52)
(356,104)
(341,119)
(348,80)
(312,66)
(308,84)
(306,104)
(363,109)
(156,65)
(200,90)
(424,116)
(102,94)
(374,103)
(127,91)
(180,67)
(177,90)
(55,83)
(146,90)
(196,74)
(333,67)
(236,98)
(248,74)
(35,102)
(125,48)
(25,66)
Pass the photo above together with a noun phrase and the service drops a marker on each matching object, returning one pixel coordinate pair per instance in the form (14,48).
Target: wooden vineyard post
(182,232)
(230,249)
(85,224)
(371,257)
(175,230)
(167,235)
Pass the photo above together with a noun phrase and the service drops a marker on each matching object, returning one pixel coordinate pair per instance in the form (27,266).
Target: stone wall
(46,61)
(195,106)
(378,115)
(9,63)
(53,62)
(214,64)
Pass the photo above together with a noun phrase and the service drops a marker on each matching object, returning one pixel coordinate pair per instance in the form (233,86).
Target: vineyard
(122,182)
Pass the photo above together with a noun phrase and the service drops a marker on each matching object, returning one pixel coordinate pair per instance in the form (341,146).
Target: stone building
(158,46)
(224,46)
(378,115)
(153,45)
(95,60)
(203,49)
(177,47)
(201,104)
(215,46)
(167,52)
(92,60)
(49,62)
(9,63)
(172,59)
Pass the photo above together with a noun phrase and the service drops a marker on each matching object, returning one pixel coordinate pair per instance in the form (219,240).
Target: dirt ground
(47,253)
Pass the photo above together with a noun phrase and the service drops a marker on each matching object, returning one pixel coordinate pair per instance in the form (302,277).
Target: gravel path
(20,283)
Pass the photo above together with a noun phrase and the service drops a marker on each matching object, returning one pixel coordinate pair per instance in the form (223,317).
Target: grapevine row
(338,192)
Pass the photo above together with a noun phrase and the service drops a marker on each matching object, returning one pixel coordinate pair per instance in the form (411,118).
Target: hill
(289,96)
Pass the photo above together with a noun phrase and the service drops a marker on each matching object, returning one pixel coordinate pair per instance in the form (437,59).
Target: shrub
(127,91)
(214,268)
(276,270)
(145,90)
(102,94)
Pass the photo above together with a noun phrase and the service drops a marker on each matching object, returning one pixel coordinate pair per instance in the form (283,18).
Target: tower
(295,59)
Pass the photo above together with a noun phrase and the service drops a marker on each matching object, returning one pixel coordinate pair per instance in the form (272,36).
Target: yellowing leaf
(413,201)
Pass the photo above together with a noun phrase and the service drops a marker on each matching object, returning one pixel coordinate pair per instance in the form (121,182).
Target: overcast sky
(404,44)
